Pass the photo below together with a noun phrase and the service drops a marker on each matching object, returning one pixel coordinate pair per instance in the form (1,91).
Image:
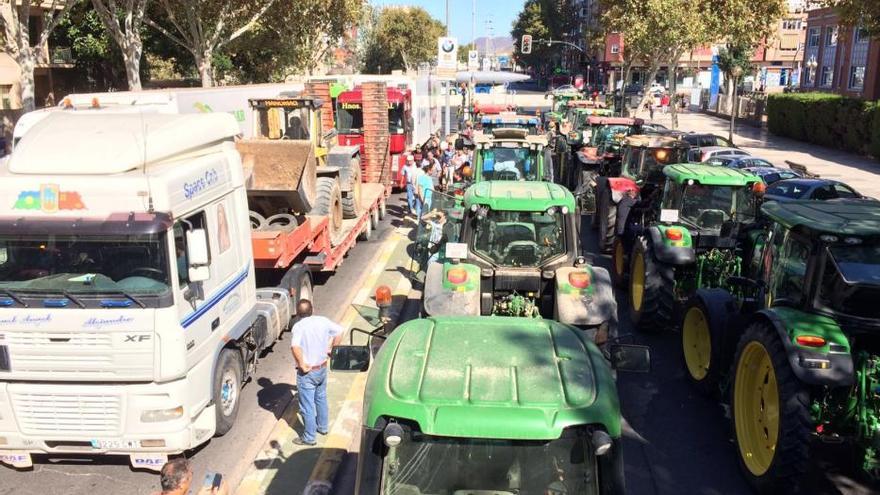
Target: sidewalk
(860,172)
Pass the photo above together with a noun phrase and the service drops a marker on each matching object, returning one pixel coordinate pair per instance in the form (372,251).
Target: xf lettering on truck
(200,184)
(137,338)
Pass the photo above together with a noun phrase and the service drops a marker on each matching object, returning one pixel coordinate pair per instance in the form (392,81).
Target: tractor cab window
(789,268)
(607,132)
(851,281)
(442,465)
(509,164)
(285,123)
(709,207)
(515,238)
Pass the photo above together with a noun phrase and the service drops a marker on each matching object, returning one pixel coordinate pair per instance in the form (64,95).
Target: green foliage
(403,38)
(732,57)
(543,19)
(99,64)
(827,119)
(864,13)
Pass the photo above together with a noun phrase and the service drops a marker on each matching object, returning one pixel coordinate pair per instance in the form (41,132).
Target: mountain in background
(500,45)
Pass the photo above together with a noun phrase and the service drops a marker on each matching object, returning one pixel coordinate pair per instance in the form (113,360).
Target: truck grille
(67,414)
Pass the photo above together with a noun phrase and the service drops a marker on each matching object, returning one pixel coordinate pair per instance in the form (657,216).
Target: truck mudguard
(680,252)
(589,306)
(829,365)
(451,289)
(622,186)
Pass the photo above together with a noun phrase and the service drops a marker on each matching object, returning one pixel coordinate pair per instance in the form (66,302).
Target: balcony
(57,58)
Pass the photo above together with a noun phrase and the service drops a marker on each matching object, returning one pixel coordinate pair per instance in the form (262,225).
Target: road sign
(525,47)
(473,60)
(447,53)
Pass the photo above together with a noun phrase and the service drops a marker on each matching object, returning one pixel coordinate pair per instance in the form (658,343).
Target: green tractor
(516,252)
(489,405)
(794,344)
(511,154)
(686,241)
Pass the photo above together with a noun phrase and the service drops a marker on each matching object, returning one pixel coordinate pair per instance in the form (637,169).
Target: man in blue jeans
(312,339)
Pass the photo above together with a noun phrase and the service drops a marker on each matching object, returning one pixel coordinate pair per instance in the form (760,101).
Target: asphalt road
(263,399)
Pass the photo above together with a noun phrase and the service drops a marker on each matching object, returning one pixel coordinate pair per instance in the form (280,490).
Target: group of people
(435,166)
(664,102)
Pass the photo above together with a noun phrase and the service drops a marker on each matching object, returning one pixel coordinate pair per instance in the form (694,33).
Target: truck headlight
(159,415)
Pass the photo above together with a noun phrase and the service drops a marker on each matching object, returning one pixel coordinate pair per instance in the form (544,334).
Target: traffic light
(525,46)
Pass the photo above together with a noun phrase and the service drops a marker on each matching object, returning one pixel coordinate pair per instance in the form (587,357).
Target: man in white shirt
(312,339)
(409,173)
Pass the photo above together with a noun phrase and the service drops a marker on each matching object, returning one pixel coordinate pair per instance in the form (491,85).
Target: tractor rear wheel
(351,201)
(618,262)
(770,411)
(328,202)
(651,289)
(607,213)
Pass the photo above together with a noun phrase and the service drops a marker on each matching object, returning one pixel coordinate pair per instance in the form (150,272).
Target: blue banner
(714,83)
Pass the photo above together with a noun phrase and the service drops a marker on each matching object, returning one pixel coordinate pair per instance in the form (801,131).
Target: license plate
(116,444)
(16,459)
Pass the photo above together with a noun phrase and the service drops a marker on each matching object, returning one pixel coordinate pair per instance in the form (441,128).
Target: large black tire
(619,267)
(702,346)
(607,212)
(227,390)
(351,201)
(329,203)
(651,290)
(366,231)
(761,373)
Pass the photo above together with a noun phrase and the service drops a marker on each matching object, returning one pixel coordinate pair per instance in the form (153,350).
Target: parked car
(708,152)
(772,174)
(739,161)
(701,140)
(820,189)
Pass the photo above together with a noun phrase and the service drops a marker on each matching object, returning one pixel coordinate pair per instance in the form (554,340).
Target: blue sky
(501,12)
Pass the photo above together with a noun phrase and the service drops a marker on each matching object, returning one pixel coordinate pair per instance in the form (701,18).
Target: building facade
(840,59)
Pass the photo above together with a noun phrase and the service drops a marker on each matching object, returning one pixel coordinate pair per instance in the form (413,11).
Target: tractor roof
(286,100)
(654,141)
(860,217)
(518,195)
(491,377)
(709,175)
(600,120)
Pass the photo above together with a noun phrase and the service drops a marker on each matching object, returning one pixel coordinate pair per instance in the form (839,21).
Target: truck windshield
(437,465)
(851,281)
(708,207)
(133,264)
(350,118)
(510,164)
(514,238)
(396,118)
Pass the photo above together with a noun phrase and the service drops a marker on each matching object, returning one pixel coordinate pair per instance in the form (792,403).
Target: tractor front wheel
(770,410)
(606,210)
(618,262)
(700,348)
(651,289)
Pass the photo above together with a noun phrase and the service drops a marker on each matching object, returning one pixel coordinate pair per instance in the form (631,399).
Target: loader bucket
(280,173)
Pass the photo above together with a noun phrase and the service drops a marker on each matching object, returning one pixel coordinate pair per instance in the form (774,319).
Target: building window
(6,96)
(813,37)
(861,35)
(791,24)
(857,77)
(615,48)
(831,36)
(827,76)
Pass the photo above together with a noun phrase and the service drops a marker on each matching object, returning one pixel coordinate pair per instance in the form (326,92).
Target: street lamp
(811,65)
(734,104)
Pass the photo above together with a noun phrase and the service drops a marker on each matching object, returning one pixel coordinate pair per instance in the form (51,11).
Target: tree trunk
(655,68)
(673,88)
(732,110)
(206,68)
(624,80)
(132,57)
(26,61)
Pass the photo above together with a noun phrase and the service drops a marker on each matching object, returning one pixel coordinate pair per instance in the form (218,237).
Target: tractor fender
(340,158)
(789,323)
(622,186)
(588,307)
(724,319)
(669,251)
(459,296)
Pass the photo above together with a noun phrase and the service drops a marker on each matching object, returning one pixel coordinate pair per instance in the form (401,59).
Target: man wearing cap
(409,175)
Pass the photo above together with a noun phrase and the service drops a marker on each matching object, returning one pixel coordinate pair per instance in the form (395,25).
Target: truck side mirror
(350,358)
(629,357)
(197,255)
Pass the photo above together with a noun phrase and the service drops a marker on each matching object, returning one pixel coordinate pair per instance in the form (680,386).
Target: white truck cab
(128,312)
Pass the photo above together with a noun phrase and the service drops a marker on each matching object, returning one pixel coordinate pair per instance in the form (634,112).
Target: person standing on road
(409,172)
(312,339)
(649,105)
(425,190)
(664,103)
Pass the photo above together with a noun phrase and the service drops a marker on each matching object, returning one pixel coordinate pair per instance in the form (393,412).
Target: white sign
(456,250)
(473,60)
(447,53)
(668,216)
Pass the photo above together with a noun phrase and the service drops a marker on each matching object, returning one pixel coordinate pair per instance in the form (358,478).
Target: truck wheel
(374,218)
(651,290)
(700,347)
(351,201)
(227,390)
(382,210)
(618,262)
(770,410)
(329,203)
(607,212)
(283,221)
(258,222)
(366,232)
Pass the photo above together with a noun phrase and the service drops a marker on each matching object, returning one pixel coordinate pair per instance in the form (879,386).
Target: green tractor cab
(596,145)
(511,154)
(581,114)
(516,253)
(490,405)
(792,343)
(638,184)
(690,240)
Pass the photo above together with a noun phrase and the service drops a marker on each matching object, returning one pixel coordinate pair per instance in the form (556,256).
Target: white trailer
(129,314)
